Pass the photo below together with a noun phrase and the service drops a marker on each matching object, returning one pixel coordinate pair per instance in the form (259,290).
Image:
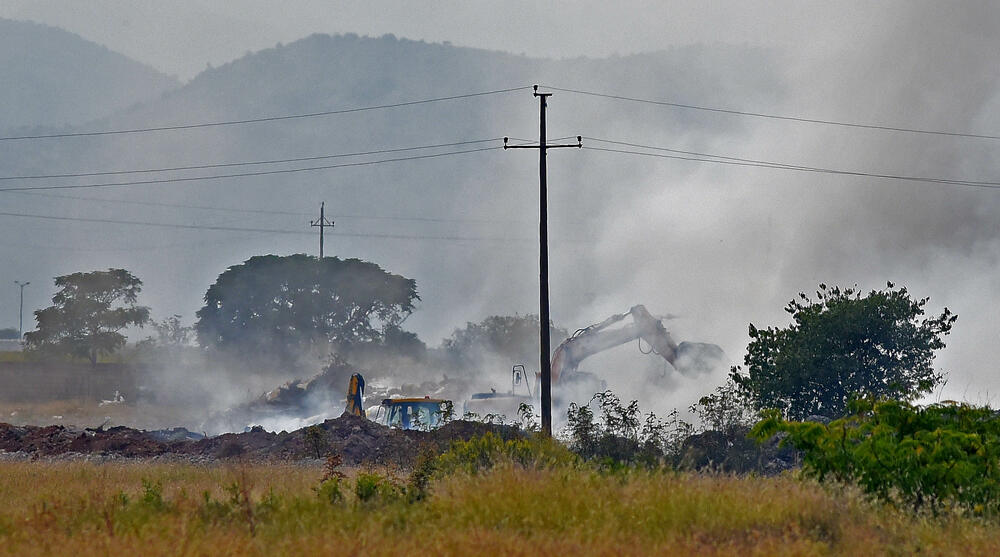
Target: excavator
(688,358)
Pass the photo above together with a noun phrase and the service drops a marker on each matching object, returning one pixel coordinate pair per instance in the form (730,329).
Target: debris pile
(358,440)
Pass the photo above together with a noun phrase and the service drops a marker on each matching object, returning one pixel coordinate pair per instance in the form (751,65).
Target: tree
(9,333)
(170,332)
(278,307)
(87,314)
(842,346)
(512,338)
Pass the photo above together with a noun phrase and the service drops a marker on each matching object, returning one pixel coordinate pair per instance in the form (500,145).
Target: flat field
(135,508)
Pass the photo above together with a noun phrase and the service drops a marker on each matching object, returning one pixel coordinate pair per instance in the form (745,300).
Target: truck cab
(413,413)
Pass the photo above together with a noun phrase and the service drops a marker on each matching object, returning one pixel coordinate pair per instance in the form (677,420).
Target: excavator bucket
(696,358)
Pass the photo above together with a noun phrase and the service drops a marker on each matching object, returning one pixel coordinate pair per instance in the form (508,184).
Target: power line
(778,116)
(246,174)
(106,249)
(268,211)
(248,163)
(261,230)
(717,159)
(261,119)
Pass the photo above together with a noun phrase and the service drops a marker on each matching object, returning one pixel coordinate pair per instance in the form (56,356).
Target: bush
(938,457)
(372,487)
(489,450)
(329,490)
(622,438)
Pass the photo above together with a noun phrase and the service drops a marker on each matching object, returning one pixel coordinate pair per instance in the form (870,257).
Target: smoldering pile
(358,440)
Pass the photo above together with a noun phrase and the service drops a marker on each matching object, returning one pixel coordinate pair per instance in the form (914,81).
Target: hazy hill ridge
(458,280)
(52,77)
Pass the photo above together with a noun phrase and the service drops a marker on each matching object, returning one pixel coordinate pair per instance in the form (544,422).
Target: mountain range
(54,78)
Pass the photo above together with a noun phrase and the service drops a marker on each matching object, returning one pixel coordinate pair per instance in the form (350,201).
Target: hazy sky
(722,245)
(180,37)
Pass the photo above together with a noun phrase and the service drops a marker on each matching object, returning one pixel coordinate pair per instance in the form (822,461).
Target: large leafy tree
(88,313)
(280,307)
(842,345)
(513,338)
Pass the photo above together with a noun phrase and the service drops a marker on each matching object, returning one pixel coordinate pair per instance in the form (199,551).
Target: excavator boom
(596,338)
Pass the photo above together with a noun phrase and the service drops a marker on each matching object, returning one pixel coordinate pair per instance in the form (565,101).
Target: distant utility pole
(321,223)
(543,258)
(20,311)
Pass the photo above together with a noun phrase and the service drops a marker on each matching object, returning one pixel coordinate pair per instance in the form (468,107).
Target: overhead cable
(249,163)
(717,159)
(104,200)
(245,174)
(262,230)
(261,119)
(777,116)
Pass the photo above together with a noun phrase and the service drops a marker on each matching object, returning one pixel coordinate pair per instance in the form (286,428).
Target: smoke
(721,246)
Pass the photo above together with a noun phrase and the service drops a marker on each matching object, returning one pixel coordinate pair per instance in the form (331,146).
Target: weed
(527,416)
(329,490)
(370,487)
(573,510)
(152,496)
(240,502)
(366,486)
(417,486)
(485,452)
(331,468)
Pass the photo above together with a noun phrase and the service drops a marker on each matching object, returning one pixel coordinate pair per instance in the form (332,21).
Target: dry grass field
(82,509)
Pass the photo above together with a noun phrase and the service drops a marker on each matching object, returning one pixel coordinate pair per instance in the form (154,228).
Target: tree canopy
(841,346)
(511,337)
(279,307)
(87,314)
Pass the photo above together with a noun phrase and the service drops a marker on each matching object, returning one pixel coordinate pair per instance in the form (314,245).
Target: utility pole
(543,258)
(321,223)
(20,311)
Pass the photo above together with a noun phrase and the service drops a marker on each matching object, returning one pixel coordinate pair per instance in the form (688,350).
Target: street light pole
(20,311)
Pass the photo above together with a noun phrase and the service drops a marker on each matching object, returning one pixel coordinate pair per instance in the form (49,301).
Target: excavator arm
(597,338)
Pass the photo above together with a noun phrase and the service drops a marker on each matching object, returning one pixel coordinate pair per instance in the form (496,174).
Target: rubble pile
(357,440)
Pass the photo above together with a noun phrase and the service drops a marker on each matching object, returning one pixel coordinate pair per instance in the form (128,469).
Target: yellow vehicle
(401,413)
(413,413)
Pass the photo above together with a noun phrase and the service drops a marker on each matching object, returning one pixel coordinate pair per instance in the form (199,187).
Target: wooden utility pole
(321,223)
(545,365)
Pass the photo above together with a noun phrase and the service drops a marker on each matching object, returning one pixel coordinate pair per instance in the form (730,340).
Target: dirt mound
(57,439)
(358,440)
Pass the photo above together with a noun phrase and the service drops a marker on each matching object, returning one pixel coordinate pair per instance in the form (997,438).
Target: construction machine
(402,413)
(688,358)
(413,413)
(502,403)
(356,396)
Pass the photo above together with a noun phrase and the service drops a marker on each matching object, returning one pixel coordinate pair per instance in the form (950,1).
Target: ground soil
(359,442)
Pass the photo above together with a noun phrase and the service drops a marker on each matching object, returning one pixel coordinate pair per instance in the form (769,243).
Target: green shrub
(489,450)
(372,487)
(623,437)
(936,457)
(418,484)
(329,490)
(126,515)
